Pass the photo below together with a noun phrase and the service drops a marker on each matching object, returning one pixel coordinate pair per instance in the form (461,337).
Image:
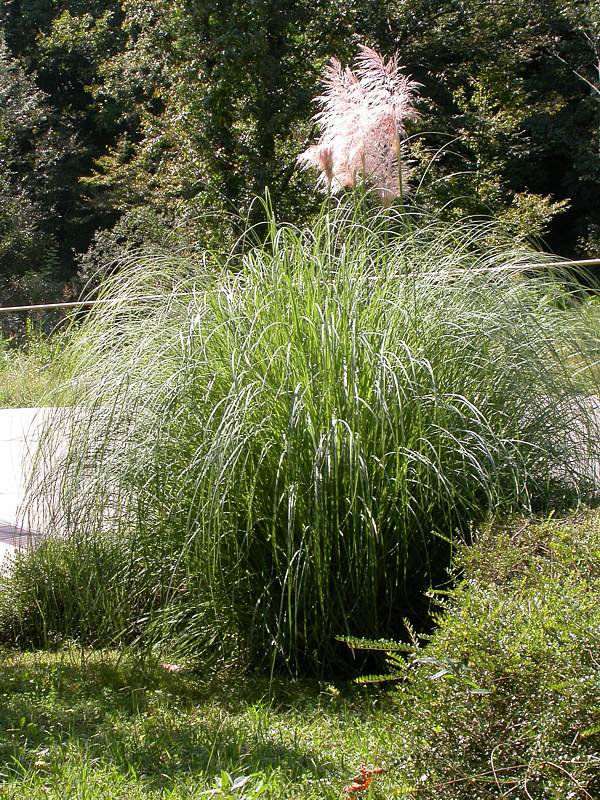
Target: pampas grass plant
(286,452)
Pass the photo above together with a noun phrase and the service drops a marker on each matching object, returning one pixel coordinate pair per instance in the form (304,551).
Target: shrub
(504,699)
(290,448)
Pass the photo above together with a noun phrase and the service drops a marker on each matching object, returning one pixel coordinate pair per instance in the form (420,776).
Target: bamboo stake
(77,303)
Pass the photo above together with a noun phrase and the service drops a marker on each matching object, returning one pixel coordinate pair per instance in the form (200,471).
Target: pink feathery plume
(362,120)
(339,119)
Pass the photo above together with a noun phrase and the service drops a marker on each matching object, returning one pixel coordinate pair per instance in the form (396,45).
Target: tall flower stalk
(362,116)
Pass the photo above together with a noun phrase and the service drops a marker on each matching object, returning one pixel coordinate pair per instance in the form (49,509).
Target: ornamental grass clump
(286,452)
(362,118)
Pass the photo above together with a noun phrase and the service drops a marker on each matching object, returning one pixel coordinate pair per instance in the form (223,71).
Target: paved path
(19,434)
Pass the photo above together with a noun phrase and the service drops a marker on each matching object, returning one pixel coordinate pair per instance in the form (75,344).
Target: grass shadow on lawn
(156,724)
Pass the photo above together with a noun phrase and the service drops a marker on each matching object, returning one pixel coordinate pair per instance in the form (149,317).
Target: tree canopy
(147,120)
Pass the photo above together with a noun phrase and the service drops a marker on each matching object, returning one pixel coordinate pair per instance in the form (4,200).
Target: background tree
(32,153)
(170,115)
(516,125)
(60,46)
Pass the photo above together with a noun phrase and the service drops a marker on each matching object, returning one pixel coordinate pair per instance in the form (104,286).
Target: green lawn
(92,729)
(514,712)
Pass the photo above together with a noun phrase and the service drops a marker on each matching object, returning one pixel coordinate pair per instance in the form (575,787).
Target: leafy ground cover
(501,702)
(505,699)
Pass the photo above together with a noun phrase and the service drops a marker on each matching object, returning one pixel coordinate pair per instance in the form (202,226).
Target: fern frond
(397,662)
(378,679)
(380,645)
(414,637)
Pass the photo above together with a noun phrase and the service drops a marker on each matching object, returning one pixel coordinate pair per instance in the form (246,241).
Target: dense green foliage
(264,458)
(145,113)
(523,625)
(31,155)
(504,699)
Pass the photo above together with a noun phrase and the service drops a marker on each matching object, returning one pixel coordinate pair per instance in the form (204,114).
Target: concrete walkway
(19,434)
